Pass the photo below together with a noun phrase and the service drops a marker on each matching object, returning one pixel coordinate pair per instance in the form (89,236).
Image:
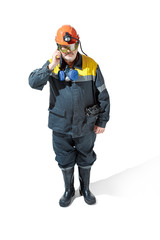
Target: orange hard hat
(61,33)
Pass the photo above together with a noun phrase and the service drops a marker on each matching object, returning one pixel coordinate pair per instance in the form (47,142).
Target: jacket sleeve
(103,99)
(39,77)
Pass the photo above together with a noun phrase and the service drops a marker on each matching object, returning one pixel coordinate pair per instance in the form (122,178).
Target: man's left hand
(98,130)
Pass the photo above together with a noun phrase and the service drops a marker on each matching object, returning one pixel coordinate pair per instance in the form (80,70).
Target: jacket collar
(78,63)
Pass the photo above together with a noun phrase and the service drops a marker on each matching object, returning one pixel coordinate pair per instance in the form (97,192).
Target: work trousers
(70,151)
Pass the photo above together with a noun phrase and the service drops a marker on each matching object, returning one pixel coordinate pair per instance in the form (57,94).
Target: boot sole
(90,203)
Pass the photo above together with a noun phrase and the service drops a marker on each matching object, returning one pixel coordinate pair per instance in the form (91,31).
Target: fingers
(98,130)
(55,59)
(57,54)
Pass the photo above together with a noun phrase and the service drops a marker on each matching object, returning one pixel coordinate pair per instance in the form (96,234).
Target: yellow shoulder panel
(89,66)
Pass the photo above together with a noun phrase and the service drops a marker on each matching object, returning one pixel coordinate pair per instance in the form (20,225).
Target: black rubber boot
(84,177)
(68,175)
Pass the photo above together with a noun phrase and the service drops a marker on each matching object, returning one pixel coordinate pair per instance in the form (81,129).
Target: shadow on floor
(141,180)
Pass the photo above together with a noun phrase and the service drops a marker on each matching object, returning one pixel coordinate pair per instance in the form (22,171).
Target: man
(78,110)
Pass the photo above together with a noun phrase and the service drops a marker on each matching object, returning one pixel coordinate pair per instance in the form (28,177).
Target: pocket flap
(91,119)
(57,111)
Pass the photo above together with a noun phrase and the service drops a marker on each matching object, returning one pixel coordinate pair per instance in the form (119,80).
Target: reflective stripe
(101,88)
(80,79)
(86,78)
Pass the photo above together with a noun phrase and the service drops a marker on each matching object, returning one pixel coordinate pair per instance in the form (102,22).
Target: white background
(123,37)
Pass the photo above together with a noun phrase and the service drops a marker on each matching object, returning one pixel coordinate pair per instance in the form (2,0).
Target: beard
(70,57)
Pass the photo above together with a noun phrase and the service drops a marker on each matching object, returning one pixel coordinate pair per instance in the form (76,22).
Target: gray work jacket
(70,99)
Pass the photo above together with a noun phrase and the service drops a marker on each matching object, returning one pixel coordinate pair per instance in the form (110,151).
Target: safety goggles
(65,48)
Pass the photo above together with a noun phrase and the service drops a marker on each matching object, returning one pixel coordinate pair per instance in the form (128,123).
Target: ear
(57,46)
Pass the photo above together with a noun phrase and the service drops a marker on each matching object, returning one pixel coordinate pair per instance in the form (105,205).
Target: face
(68,54)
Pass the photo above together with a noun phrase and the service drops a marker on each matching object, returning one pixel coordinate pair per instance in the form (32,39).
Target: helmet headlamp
(67,37)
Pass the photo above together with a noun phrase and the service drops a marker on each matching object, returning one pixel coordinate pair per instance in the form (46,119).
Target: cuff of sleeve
(48,70)
(101,124)
(44,70)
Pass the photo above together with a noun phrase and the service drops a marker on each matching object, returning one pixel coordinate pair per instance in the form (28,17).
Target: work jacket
(69,100)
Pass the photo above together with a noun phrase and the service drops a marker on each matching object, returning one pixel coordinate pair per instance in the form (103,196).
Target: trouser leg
(85,159)
(63,146)
(84,149)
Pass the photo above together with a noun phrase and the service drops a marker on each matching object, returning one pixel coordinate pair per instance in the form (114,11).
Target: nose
(68,50)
